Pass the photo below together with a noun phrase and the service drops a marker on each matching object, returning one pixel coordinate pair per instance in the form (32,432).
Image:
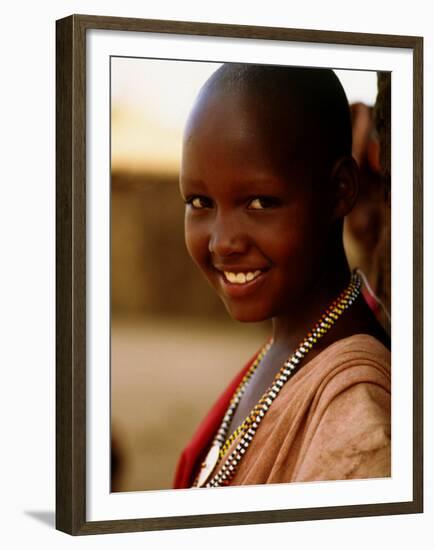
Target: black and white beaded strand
(290,366)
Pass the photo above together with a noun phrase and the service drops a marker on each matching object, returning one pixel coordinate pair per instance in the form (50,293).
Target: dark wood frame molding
(71,273)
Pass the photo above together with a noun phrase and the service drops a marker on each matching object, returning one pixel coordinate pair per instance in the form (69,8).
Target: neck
(291,326)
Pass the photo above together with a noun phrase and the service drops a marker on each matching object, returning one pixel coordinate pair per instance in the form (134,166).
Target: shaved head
(267,177)
(303,112)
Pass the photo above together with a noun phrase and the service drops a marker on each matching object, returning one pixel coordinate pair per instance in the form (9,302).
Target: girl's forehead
(242,129)
(246,110)
(289,114)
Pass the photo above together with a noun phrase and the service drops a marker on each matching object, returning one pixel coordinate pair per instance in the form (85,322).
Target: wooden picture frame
(71,282)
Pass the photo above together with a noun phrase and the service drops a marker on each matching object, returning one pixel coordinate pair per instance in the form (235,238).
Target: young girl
(267,177)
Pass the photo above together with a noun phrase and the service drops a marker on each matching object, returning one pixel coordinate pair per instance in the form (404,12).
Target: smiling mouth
(241,283)
(241,277)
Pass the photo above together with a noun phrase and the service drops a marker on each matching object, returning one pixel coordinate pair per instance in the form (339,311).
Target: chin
(246,315)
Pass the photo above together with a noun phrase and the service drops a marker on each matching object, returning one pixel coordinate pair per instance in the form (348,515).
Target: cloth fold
(330,421)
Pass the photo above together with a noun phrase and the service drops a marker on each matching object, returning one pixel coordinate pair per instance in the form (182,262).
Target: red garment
(195,450)
(372,302)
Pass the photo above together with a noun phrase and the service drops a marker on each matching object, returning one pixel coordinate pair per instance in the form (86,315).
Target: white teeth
(241,278)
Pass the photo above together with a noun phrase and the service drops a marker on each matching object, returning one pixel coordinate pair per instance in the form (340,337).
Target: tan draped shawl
(330,421)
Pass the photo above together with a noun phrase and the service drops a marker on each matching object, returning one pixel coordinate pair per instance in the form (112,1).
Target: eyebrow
(195,186)
(247,184)
(191,181)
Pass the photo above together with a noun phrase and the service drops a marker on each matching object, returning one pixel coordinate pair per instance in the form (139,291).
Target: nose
(227,237)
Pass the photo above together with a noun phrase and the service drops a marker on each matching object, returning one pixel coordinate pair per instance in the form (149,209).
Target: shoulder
(358,348)
(357,359)
(350,438)
(350,374)
(348,426)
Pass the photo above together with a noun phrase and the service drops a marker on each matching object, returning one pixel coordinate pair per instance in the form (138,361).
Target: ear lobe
(345,186)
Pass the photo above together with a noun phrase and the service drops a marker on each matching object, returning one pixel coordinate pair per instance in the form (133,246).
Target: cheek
(285,241)
(196,242)
(292,247)
(304,252)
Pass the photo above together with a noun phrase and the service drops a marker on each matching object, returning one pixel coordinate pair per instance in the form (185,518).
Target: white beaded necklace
(248,428)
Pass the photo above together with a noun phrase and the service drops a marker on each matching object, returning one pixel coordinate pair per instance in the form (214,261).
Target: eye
(198,202)
(261,203)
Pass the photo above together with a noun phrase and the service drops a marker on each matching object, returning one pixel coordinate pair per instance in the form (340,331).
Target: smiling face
(257,221)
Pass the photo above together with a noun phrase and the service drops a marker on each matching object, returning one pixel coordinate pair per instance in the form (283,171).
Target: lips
(241,277)
(238,282)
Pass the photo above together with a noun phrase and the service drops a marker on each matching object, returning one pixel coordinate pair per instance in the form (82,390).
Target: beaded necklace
(248,427)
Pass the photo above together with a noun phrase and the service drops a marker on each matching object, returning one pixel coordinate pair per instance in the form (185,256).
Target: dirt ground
(165,375)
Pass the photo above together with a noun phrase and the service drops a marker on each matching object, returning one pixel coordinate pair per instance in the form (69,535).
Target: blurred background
(173,346)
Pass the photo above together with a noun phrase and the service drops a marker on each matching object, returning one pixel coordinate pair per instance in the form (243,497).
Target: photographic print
(167,326)
(239,345)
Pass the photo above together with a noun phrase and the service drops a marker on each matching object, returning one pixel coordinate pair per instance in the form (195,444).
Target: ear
(344,180)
